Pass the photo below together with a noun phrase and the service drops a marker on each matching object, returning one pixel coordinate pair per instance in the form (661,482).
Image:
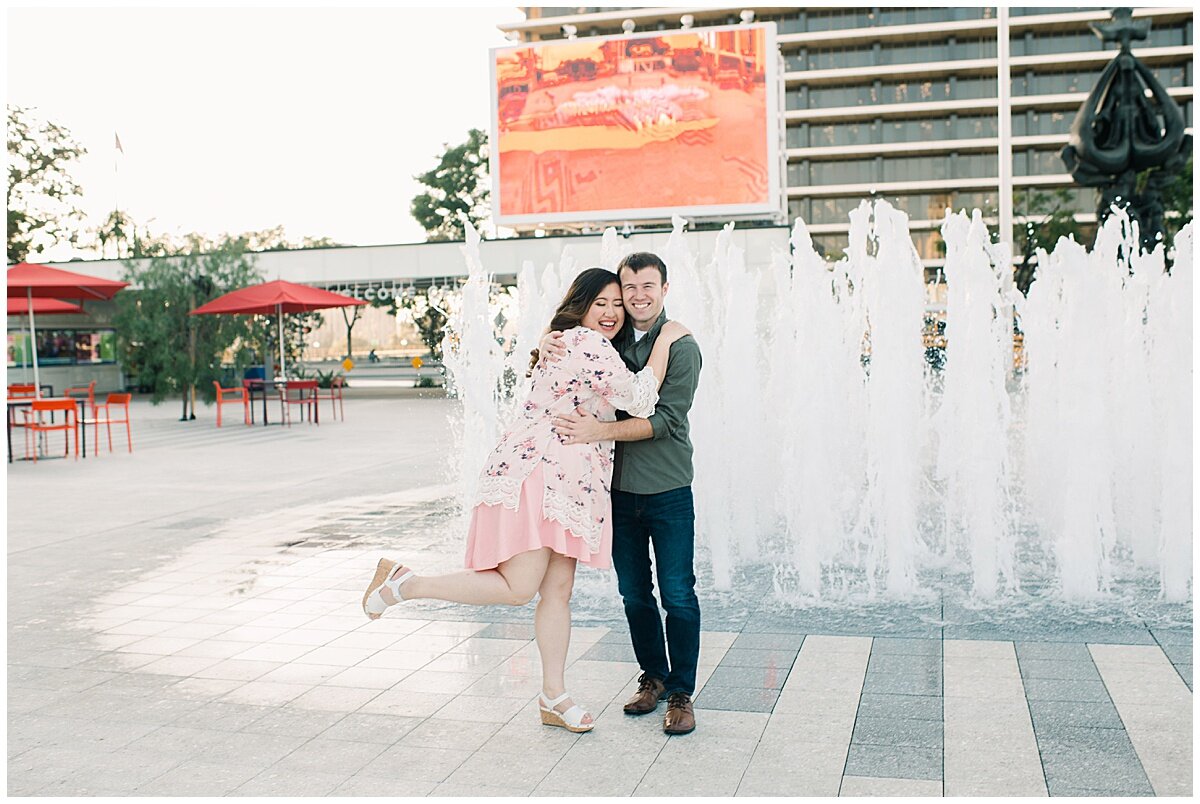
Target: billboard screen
(635,127)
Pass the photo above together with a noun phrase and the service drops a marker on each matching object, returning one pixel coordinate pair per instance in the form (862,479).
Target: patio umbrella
(21,306)
(42,282)
(276,297)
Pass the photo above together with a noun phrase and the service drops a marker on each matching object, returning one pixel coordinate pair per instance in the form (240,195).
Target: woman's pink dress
(536,491)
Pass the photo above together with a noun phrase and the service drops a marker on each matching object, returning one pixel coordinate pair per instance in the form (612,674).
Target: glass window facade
(1073,199)
(918,206)
(916,16)
(1037,163)
(933,167)
(831,246)
(1083,41)
(1023,11)
(1055,83)
(63,347)
(916,168)
(902,52)
(1035,122)
(918,90)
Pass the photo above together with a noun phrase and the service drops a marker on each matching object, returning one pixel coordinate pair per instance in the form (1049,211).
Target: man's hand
(578,427)
(551,347)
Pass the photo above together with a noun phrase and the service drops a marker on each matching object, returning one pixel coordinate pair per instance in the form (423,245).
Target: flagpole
(116,186)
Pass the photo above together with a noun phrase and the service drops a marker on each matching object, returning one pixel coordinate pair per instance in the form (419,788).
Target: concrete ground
(185,620)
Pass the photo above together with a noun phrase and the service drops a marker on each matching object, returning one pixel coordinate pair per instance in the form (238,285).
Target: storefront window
(63,347)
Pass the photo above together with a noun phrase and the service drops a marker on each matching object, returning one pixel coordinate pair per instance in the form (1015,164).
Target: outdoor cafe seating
(106,414)
(86,392)
(40,419)
(337,402)
(233,396)
(301,393)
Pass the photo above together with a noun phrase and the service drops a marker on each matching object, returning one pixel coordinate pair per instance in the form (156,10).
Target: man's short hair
(643,259)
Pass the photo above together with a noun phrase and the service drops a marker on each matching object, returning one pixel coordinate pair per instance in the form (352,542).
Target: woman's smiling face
(607,313)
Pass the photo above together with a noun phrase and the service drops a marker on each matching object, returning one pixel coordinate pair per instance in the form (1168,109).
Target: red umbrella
(20,306)
(276,297)
(42,282)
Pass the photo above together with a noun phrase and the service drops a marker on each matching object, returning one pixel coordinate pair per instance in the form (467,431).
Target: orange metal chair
(334,394)
(306,397)
(232,396)
(36,423)
(22,390)
(112,401)
(87,392)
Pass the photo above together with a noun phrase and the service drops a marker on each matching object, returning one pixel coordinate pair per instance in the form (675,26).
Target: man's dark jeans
(666,521)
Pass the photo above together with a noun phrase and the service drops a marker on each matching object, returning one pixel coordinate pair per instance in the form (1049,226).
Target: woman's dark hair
(574,306)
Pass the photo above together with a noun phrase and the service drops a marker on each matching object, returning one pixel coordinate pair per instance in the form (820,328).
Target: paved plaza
(186,620)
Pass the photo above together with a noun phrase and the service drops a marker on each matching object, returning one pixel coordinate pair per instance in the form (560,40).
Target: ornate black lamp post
(1119,132)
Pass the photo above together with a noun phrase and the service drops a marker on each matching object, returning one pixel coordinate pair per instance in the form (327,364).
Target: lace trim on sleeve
(645,394)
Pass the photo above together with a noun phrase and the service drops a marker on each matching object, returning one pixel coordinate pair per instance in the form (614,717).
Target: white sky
(242,119)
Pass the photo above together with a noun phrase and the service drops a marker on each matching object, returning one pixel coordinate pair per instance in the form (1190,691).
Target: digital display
(635,127)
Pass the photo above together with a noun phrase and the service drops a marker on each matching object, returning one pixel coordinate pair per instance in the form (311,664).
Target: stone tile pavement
(203,636)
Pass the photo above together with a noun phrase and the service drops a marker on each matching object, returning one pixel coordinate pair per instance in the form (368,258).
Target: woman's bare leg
(513,583)
(552,624)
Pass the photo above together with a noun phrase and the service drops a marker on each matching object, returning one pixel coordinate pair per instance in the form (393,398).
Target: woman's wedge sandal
(571,720)
(374,604)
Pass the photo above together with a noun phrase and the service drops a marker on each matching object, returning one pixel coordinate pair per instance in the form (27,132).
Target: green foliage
(42,196)
(429,320)
(1177,198)
(459,184)
(167,350)
(324,378)
(118,229)
(1048,217)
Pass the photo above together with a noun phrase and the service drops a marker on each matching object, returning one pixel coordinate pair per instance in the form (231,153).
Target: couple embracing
(612,369)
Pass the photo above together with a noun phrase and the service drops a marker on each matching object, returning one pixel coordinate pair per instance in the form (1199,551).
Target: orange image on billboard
(585,129)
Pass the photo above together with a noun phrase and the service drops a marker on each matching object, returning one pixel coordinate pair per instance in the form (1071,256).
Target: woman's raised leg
(513,583)
(552,625)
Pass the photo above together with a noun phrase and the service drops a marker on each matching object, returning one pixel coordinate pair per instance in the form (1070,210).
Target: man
(652,501)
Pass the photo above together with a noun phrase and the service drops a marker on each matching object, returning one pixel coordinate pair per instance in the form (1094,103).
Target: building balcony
(865,189)
(649,18)
(1151,56)
(937,108)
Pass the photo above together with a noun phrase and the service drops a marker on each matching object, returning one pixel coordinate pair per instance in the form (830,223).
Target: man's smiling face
(643,292)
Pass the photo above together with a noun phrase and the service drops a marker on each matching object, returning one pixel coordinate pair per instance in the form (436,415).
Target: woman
(543,506)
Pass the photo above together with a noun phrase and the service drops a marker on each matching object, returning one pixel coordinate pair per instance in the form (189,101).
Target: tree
(458,184)
(429,320)
(1048,217)
(1176,199)
(42,196)
(167,350)
(118,229)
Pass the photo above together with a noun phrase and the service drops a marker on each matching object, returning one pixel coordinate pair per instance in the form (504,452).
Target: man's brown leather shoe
(680,718)
(649,691)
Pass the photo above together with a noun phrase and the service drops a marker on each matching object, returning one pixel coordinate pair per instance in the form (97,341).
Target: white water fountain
(826,447)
